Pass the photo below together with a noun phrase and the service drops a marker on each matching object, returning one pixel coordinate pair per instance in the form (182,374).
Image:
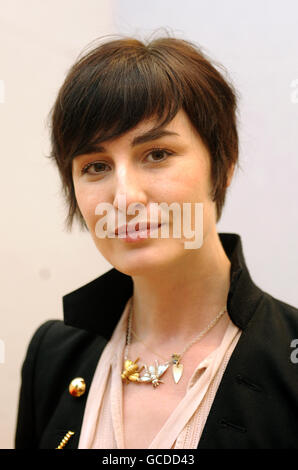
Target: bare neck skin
(174,305)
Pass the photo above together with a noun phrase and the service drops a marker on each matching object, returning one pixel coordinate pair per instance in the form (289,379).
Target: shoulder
(277,314)
(55,350)
(55,331)
(267,342)
(54,342)
(269,337)
(273,326)
(56,354)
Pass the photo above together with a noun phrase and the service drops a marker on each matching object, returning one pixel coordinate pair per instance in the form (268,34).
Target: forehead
(178,129)
(180,120)
(151,129)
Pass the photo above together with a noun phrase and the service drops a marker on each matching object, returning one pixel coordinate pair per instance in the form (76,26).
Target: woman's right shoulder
(54,332)
(42,330)
(54,338)
(56,354)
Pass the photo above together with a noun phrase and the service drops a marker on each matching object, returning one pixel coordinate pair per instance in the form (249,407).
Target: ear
(230,175)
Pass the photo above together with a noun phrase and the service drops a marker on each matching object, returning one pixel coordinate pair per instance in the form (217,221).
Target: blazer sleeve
(26,436)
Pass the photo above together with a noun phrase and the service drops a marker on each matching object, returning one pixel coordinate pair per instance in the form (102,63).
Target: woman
(175,347)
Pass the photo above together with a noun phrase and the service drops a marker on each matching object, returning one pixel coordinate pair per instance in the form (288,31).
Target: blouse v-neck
(103,418)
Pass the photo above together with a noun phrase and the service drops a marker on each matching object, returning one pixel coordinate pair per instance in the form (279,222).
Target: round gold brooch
(77,387)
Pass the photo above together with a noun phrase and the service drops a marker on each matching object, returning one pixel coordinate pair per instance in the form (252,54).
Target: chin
(145,264)
(143,259)
(137,268)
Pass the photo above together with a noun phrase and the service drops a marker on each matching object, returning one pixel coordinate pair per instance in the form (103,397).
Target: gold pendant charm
(177,372)
(131,371)
(177,367)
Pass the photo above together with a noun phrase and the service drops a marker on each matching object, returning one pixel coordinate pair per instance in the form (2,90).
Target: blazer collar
(98,305)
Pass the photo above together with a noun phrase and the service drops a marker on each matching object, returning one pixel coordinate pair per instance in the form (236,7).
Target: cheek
(87,201)
(190,184)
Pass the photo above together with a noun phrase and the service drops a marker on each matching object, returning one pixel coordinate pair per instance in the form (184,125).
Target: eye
(98,167)
(158,155)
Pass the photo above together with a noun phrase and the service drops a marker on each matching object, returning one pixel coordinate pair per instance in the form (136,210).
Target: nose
(129,190)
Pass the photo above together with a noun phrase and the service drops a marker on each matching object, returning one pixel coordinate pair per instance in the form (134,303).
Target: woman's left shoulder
(279,311)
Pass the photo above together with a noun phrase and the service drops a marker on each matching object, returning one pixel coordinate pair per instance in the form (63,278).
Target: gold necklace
(131,372)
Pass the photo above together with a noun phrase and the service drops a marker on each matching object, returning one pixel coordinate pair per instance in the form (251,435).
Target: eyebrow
(152,134)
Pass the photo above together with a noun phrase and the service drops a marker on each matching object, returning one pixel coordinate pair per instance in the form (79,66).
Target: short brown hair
(120,82)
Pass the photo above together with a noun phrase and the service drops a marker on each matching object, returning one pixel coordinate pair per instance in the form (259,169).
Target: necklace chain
(197,338)
(151,350)
(131,372)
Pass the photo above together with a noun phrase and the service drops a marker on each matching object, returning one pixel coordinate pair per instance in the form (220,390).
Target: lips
(139,227)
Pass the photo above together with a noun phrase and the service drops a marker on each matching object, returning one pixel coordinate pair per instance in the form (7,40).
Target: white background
(256,41)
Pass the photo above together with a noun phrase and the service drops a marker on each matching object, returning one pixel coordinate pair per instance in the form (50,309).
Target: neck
(175,304)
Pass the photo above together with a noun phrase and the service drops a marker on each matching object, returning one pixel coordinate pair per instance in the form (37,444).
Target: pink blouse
(102,426)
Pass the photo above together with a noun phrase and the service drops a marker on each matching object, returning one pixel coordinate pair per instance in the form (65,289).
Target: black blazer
(256,405)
